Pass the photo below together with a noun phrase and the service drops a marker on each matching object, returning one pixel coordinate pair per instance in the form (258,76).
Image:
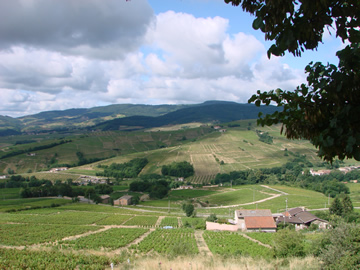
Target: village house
(319,172)
(255,220)
(85,180)
(301,219)
(185,187)
(179,179)
(58,169)
(124,200)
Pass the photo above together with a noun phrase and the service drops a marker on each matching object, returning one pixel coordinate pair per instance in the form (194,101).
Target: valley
(236,165)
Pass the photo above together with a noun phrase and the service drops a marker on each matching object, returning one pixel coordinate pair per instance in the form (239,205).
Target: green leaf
(258,23)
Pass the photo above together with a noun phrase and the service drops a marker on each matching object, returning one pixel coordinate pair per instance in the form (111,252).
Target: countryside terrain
(61,233)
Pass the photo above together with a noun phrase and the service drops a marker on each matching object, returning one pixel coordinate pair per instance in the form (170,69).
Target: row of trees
(178,169)
(264,137)
(64,189)
(129,169)
(156,185)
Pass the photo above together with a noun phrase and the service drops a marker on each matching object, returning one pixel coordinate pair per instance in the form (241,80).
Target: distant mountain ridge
(79,118)
(206,112)
(134,116)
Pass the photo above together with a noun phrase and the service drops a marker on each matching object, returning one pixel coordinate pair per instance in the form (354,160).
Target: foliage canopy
(325,109)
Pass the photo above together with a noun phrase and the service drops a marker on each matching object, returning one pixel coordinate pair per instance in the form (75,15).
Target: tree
(325,109)
(347,205)
(341,247)
(336,207)
(188,209)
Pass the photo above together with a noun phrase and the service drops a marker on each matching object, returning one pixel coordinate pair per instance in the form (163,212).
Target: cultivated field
(83,236)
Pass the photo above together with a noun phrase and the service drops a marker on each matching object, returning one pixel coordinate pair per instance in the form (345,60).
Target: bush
(341,247)
(289,243)
(211,218)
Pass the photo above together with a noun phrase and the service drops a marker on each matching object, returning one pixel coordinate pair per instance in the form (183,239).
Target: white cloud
(182,59)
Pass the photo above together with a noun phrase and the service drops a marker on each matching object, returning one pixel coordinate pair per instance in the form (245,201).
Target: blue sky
(56,55)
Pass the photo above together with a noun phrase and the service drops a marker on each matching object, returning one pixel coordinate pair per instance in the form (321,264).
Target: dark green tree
(188,209)
(336,207)
(325,109)
(347,205)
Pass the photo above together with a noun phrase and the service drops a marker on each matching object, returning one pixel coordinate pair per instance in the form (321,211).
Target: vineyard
(265,238)
(169,221)
(167,241)
(201,179)
(26,234)
(109,240)
(69,233)
(142,221)
(228,243)
(64,237)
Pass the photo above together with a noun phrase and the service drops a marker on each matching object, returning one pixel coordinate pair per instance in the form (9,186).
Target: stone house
(124,200)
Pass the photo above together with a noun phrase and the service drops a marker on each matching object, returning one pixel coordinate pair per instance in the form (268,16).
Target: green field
(354,193)
(16,204)
(116,234)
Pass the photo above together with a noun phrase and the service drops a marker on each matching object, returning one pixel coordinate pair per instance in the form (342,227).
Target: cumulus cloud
(92,28)
(57,54)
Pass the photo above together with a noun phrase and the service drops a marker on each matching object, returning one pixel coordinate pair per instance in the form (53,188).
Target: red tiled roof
(259,222)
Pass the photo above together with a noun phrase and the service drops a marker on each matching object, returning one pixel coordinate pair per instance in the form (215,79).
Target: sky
(57,55)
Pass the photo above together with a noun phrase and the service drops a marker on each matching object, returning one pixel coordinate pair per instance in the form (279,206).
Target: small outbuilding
(124,200)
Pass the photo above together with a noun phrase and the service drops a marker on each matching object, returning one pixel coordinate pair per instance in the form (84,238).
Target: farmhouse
(301,219)
(255,220)
(124,200)
(247,221)
(59,169)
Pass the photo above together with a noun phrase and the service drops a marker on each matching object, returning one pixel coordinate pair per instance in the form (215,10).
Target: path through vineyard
(202,246)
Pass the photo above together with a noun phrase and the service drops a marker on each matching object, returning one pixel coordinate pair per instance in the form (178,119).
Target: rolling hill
(130,116)
(79,118)
(208,112)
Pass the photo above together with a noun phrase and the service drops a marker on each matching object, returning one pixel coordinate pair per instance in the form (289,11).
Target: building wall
(117,202)
(262,230)
(241,224)
(212,226)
